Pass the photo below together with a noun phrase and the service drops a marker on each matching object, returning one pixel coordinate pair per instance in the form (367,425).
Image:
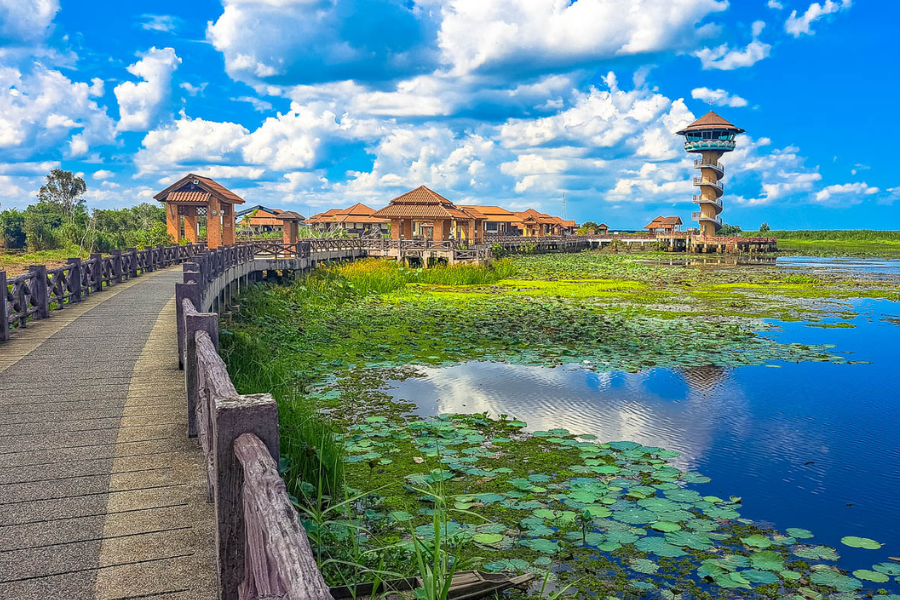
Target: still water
(811,445)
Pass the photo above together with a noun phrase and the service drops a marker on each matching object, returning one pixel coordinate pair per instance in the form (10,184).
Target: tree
(42,221)
(764,228)
(588,228)
(12,228)
(729,230)
(65,190)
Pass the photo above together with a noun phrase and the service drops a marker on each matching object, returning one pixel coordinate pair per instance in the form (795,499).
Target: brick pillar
(227,224)
(214,224)
(396,224)
(190,224)
(173,221)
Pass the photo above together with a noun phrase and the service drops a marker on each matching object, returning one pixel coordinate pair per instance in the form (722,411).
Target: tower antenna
(564,207)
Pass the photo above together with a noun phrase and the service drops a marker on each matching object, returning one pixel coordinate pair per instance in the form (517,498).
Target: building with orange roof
(358,220)
(260,219)
(499,221)
(710,136)
(664,225)
(194,196)
(423,213)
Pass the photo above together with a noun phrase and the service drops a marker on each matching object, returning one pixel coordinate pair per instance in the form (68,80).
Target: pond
(811,445)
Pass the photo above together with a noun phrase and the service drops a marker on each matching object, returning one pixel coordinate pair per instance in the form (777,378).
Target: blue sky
(311,104)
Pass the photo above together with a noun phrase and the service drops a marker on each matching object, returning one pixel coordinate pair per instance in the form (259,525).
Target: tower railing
(698,199)
(699,216)
(700,163)
(698,181)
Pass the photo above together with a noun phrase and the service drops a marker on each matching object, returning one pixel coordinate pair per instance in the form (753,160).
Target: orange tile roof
(358,213)
(195,196)
(421,203)
(496,214)
(206,184)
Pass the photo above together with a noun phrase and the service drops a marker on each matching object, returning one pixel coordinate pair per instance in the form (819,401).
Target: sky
(312,104)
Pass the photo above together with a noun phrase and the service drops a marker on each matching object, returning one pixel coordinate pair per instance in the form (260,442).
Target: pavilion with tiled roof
(423,211)
(664,224)
(193,196)
(356,219)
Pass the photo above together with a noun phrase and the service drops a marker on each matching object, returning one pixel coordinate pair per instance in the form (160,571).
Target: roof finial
(711,102)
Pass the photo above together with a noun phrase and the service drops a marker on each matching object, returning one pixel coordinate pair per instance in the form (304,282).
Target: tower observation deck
(710,136)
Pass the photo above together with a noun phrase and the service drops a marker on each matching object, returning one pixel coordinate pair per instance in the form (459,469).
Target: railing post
(75,275)
(97,272)
(39,293)
(256,414)
(194,322)
(117,265)
(189,291)
(132,272)
(4,308)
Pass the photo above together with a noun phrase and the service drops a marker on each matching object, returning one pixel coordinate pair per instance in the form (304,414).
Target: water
(811,445)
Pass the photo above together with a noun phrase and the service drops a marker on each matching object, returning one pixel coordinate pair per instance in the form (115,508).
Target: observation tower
(710,136)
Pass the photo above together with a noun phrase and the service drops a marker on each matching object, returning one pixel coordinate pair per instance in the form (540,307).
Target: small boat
(467,585)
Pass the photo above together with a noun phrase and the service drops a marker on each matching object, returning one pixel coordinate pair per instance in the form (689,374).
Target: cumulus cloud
(162,23)
(719,97)
(292,42)
(799,25)
(841,191)
(725,58)
(141,103)
(41,109)
(26,21)
(528,34)
(102,174)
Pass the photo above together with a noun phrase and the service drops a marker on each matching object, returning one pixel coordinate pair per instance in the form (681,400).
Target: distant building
(499,221)
(260,219)
(355,220)
(424,214)
(664,225)
(711,136)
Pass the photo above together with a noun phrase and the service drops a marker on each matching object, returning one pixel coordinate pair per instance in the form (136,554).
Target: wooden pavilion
(426,214)
(194,196)
(664,225)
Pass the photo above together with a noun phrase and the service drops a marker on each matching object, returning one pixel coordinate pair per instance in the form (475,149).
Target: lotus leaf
(757,541)
(634,516)
(659,546)
(622,537)
(888,568)
(800,534)
(860,542)
(643,565)
(835,580)
(767,560)
(873,576)
(399,515)
(790,575)
(816,553)
(487,539)
(597,511)
(686,539)
(665,526)
(731,581)
(541,545)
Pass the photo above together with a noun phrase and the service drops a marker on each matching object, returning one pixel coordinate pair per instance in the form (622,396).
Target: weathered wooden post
(75,276)
(4,308)
(39,293)
(192,292)
(97,271)
(193,322)
(117,265)
(132,272)
(256,414)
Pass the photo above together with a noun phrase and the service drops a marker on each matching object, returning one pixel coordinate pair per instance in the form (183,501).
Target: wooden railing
(262,548)
(39,292)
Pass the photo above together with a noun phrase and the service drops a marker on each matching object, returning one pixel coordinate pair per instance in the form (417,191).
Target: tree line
(61,219)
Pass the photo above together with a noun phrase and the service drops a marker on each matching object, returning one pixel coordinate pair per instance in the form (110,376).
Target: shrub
(12,228)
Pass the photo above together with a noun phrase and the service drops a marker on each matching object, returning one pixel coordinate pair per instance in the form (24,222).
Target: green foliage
(729,230)
(12,228)
(63,190)
(764,228)
(42,225)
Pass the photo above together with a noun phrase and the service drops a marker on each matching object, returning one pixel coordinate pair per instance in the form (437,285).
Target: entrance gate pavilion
(194,196)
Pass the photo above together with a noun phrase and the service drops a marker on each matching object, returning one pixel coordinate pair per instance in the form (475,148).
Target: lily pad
(873,576)
(800,534)
(767,560)
(643,565)
(487,539)
(860,542)
(757,541)
(665,526)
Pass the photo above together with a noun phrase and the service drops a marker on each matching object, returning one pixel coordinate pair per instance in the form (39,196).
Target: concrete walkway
(102,495)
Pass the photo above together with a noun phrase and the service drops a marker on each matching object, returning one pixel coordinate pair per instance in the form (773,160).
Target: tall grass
(377,276)
(312,458)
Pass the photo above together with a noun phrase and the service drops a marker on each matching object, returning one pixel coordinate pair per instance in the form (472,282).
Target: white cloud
(102,174)
(257,104)
(140,103)
(193,90)
(190,142)
(163,23)
(26,21)
(530,34)
(725,58)
(41,109)
(856,188)
(775,4)
(719,97)
(797,26)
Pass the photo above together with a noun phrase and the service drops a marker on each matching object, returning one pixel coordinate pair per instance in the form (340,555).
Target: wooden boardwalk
(102,495)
